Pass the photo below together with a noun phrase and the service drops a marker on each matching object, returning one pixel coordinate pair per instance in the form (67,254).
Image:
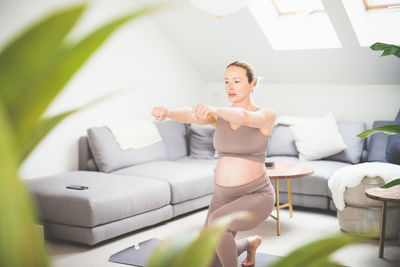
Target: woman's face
(236,84)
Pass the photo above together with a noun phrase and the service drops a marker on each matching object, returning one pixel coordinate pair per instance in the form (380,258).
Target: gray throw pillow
(109,156)
(175,138)
(392,153)
(281,142)
(376,143)
(355,144)
(201,141)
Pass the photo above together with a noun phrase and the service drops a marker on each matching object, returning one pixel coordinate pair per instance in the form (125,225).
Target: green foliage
(386,129)
(34,68)
(392,183)
(317,253)
(20,244)
(192,248)
(388,49)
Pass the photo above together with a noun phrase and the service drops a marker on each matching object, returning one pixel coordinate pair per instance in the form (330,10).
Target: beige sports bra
(244,142)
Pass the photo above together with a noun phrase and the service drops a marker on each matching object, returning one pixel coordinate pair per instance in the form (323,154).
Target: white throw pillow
(319,138)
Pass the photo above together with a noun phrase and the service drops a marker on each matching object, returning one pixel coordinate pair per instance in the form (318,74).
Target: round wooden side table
(391,194)
(286,170)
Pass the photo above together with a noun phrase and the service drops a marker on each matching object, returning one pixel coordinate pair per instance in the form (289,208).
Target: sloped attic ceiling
(211,44)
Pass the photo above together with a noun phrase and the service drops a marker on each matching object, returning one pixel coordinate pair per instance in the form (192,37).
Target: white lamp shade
(220,8)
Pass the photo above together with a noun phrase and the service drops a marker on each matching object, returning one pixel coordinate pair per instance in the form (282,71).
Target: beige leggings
(257,197)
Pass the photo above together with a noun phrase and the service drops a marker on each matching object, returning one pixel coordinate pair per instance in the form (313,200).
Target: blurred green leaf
(386,129)
(20,243)
(201,252)
(29,54)
(191,248)
(317,252)
(388,49)
(40,130)
(31,139)
(170,248)
(392,183)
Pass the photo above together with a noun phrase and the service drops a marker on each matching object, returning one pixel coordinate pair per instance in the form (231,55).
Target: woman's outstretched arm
(184,115)
(263,118)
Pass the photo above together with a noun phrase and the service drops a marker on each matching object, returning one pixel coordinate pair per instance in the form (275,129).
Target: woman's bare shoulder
(266,109)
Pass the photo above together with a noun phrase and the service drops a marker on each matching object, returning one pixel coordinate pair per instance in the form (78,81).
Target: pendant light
(220,8)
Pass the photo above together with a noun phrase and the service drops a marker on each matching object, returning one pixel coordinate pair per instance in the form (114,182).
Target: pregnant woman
(241,138)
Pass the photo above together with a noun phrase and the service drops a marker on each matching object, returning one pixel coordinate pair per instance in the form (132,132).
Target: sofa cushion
(355,144)
(376,143)
(201,141)
(281,142)
(175,138)
(109,198)
(109,156)
(187,180)
(314,184)
(392,152)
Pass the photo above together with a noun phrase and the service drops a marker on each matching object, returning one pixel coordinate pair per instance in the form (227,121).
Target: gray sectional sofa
(135,188)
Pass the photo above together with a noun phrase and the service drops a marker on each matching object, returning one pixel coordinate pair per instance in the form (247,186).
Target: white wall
(138,57)
(365,103)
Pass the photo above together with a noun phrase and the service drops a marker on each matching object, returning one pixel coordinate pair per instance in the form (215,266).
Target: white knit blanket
(351,176)
(134,134)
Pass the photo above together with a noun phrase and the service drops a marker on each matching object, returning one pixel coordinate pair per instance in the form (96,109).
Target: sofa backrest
(174,138)
(282,142)
(85,157)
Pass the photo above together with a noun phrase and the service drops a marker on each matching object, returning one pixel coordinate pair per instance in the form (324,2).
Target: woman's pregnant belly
(233,171)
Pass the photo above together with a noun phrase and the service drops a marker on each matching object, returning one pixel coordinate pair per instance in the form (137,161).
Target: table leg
(277,207)
(383,224)
(290,197)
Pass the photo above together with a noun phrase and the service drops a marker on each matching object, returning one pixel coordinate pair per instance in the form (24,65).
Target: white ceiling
(210,44)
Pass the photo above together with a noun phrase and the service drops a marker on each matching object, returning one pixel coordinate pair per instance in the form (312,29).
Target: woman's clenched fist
(159,113)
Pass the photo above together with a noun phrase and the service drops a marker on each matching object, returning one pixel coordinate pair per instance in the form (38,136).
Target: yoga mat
(139,257)
(136,257)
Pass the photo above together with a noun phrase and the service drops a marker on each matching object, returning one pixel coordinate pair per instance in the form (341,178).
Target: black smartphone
(269,164)
(77,187)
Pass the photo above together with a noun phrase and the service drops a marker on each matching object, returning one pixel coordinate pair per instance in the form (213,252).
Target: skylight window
(295,24)
(381,4)
(374,20)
